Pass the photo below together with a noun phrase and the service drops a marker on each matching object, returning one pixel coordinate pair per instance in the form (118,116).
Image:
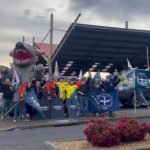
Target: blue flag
(32,100)
(142,85)
(105,102)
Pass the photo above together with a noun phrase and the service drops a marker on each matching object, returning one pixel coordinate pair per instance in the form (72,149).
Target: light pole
(51,45)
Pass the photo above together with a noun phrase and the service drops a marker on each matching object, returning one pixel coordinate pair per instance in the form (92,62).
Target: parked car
(127,85)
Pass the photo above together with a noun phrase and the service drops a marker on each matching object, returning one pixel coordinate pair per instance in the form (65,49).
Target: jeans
(16,110)
(77,103)
(65,108)
(22,109)
(84,105)
(6,106)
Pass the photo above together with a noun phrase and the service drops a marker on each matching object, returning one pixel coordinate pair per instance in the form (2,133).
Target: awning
(108,47)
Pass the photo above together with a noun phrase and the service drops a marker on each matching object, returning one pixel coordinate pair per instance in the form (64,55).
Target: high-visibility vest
(50,88)
(62,89)
(22,89)
(78,84)
(70,89)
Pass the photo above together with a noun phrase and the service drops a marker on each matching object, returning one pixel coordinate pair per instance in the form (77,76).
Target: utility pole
(51,45)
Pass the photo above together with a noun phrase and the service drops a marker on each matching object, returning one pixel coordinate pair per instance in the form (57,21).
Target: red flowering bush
(100,132)
(131,130)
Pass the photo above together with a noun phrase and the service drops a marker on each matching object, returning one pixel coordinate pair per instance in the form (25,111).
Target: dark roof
(87,44)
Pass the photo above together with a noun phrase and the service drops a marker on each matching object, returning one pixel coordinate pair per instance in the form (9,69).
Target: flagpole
(134,91)
(9,110)
(147,58)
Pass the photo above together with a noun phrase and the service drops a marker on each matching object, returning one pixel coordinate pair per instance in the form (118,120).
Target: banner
(142,79)
(142,84)
(32,100)
(105,102)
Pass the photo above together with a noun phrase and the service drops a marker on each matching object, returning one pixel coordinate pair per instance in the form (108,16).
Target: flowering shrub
(131,130)
(100,132)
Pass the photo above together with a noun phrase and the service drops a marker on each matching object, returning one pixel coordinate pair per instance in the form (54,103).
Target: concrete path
(8,125)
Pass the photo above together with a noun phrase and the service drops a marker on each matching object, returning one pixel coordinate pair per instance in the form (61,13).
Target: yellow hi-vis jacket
(66,90)
(70,89)
(62,89)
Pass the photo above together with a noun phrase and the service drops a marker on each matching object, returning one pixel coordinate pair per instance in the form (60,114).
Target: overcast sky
(31,18)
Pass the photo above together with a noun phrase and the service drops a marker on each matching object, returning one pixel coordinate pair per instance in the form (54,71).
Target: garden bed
(84,145)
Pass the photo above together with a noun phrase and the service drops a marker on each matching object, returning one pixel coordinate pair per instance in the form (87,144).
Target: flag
(15,80)
(56,73)
(97,76)
(105,102)
(32,100)
(129,65)
(80,75)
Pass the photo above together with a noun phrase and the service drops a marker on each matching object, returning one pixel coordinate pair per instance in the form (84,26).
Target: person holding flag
(96,86)
(110,85)
(22,92)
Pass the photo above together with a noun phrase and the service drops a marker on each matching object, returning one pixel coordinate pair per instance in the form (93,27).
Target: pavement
(8,125)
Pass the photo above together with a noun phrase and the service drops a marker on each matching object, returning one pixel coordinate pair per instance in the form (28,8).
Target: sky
(32,18)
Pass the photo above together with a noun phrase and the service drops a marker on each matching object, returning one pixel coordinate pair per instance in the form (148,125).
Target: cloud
(31,17)
(27,12)
(112,9)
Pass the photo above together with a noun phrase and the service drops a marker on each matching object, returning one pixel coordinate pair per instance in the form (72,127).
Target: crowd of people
(62,89)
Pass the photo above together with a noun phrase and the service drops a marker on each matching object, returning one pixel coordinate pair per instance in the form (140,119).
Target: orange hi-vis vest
(78,84)
(50,88)
(22,89)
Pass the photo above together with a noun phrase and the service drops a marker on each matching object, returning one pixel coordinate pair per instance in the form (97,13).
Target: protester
(38,90)
(70,94)
(110,84)
(62,84)
(96,86)
(51,90)
(30,110)
(7,98)
(22,93)
(39,94)
(17,102)
(83,96)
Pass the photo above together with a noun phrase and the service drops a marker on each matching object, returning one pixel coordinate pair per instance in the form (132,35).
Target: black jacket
(110,86)
(39,93)
(85,87)
(7,92)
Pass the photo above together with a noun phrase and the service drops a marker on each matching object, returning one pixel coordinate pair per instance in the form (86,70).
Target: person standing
(62,84)
(22,92)
(39,94)
(6,98)
(96,86)
(50,92)
(17,102)
(83,96)
(109,85)
(30,110)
